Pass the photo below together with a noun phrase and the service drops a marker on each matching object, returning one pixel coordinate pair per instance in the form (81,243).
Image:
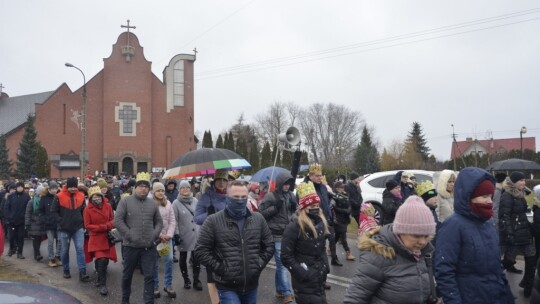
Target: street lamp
(83,120)
(521,132)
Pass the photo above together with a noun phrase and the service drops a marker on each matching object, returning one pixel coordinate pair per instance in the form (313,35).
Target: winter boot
(52,263)
(350,256)
(83,277)
(187,283)
(528,277)
(197,285)
(509,266)
(335,261)
(101,267)
(58,261)
(20,256)
(185,275)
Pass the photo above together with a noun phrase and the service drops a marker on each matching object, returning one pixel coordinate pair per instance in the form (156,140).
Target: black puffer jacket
(295,250)
(514,228)
(342,210)
(237,260)
(15,208)
(355,198)
(390,205)
(48,219)
(275,205)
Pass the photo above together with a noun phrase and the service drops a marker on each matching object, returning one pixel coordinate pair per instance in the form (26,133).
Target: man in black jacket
(275,209)
(14,212)
(237,244)
(352,188)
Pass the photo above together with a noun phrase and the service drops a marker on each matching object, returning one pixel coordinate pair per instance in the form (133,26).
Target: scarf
(186,199)
(36,203)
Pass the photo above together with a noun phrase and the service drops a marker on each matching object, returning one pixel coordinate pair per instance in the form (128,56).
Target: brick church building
(135,122)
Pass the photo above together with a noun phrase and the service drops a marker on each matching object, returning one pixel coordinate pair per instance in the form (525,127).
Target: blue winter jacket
(209,198)
(467,256)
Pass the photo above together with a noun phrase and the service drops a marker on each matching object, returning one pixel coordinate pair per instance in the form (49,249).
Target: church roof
(14,110)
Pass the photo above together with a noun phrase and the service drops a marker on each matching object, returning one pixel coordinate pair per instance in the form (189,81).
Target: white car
(373,186)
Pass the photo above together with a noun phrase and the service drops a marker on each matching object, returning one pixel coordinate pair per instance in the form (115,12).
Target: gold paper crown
(94,190)
(305,189)
(315,168)
(143,176)
(235,174)
(424,187)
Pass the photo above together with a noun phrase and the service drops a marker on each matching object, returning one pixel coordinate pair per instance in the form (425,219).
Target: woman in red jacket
(98,220)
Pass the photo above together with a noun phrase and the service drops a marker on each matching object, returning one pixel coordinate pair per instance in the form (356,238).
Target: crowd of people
(450,240)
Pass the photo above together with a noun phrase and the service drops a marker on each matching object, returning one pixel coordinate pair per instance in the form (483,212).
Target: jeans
(283,285)
(78,241)
(237,297)
(52,237)
(168,261)
(148,257)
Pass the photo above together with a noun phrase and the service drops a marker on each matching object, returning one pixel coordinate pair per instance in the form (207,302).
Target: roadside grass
(8,272)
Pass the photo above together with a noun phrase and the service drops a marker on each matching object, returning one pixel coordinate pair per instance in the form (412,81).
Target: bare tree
(331,131)
(274,121)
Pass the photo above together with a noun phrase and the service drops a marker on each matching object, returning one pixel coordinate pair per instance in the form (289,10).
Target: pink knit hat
(414,217)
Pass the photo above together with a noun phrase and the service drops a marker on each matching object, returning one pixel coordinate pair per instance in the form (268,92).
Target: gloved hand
(210,210)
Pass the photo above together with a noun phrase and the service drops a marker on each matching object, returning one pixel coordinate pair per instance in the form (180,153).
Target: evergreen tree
(266,156)
(416,144)
(43,166)
(229,141)
(254,157)
(207,140)
(26,158)
(219,142)
(241,148)
(366,156)
(5,163)
(287,159)
(304,159)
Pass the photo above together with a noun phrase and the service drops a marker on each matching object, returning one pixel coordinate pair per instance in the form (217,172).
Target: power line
(267,63)
(214,26)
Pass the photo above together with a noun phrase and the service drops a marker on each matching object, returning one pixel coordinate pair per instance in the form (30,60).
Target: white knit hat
(414,217)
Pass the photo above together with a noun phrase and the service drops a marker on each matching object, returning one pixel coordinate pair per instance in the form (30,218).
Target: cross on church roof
(1,87)
(128,27)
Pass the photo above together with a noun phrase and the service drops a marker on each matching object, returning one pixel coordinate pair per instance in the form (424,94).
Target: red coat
(98,221)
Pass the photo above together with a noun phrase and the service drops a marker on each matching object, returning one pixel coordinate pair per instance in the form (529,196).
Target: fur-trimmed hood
(384,242)
(510,187)
(443,181)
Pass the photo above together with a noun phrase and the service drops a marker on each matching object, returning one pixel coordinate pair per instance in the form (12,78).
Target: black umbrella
(514,164)
(205,161)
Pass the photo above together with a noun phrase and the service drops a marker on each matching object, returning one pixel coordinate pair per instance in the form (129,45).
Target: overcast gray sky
(474,64)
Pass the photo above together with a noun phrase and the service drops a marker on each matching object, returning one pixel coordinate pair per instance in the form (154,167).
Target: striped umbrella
(205,161)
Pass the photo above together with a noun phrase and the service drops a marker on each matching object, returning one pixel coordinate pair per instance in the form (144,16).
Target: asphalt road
(339,278)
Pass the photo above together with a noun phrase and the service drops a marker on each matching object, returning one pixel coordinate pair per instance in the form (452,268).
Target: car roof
(393,172)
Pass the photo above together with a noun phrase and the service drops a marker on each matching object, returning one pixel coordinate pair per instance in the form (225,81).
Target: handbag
(114,236)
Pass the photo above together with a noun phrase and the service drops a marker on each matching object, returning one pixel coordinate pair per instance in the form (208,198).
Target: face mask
(97,201)
(485,211)
(314,212)
(237,207)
